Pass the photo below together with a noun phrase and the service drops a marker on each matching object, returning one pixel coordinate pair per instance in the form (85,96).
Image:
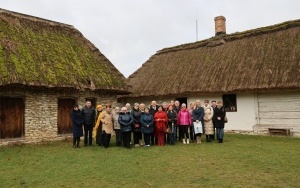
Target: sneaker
(187,141)
(183,141)
(136,145)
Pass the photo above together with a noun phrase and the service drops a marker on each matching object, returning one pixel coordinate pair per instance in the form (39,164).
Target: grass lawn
(241,161)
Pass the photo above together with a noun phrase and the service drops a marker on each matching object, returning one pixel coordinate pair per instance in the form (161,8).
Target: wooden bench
(281,132)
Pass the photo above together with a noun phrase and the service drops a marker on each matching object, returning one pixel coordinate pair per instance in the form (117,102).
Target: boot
(187,141)
(199,139)
(183,141)
(206,138)
(141,142)
(221,140)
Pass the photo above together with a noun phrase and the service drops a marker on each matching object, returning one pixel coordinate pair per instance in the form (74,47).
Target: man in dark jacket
(88,113)
(153,109)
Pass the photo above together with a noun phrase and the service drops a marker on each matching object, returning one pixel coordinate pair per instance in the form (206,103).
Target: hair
(164,103)
(219,102)
(117,108)
(183,105)
(75,106)
(124,109)
(207,101)
(213,101)
(160,106)
(198,100)
(136,104)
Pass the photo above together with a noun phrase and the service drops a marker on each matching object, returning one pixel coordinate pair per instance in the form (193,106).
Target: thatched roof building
(39,52)
(255,73)
(266,58)
(45,68)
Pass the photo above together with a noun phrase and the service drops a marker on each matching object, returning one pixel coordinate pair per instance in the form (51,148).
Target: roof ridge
(221,39)
(35,18)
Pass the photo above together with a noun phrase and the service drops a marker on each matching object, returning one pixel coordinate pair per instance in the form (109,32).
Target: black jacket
(152,110)
(219,112)
(172,117)
(89,116)
(77,121)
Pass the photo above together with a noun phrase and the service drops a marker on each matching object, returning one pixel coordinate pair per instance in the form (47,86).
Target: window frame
(230,106)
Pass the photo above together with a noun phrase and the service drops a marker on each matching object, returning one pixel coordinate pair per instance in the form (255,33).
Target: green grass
(241,161)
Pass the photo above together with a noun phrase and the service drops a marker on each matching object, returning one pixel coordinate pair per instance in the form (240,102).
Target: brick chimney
(220,25)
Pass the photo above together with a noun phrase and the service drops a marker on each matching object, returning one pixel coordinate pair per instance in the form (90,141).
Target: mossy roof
(39,52)
(262,59)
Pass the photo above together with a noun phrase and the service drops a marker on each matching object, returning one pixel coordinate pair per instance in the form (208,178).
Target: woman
(192,132)
(198,115)
(142,109)
(107,125)
(160,119)
(219,115)
(208,121)
(136,114)
(184,120)
(147,123)
(77,121)
(98,126)
(172,120)
(126,122)
(117,127)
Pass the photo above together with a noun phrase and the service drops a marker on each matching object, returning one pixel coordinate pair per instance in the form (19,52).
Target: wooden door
(64,122)
(11,117)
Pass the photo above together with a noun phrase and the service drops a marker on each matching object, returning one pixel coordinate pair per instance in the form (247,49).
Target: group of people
(149,125)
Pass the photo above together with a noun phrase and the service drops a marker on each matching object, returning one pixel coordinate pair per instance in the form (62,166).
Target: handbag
(225,119)
(167,130)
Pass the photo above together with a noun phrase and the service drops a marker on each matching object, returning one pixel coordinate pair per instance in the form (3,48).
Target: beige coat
(107,123)
(208,122)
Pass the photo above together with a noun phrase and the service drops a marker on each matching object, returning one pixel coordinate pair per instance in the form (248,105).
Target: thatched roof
(266,58)
(37,52)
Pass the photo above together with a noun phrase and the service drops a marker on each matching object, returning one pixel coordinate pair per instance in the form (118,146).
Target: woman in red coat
(161,120)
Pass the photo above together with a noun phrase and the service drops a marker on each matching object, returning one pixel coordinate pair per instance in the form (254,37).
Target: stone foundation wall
(41,110)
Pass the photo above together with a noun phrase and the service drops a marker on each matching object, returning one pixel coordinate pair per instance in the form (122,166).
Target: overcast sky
(129,32)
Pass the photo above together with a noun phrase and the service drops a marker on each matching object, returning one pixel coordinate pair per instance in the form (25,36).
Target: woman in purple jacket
(184,120)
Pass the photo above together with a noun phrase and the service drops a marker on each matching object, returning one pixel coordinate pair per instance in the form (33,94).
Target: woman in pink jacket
(184,121)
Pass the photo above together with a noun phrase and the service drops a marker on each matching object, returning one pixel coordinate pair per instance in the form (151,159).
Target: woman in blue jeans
(219,115)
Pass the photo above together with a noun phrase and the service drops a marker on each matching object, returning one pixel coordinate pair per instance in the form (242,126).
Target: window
(229,102)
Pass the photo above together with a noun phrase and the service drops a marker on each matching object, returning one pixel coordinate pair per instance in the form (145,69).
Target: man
(177,108)
(88,113)
(153,109)
(128,107)
(214,105)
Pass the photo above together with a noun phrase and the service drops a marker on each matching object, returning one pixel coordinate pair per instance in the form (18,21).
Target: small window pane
(229,102)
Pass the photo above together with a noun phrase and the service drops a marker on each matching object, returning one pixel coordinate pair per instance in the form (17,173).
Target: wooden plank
(295,122)
(277,126)
(279,114)
(273,106)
